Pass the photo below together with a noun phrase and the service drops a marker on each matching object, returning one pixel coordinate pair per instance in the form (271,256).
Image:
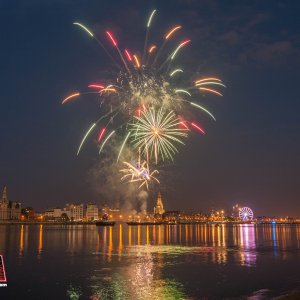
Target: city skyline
(249,156)
(11,210)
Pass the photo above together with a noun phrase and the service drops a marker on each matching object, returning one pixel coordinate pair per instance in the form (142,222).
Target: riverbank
(13,222)
(44,223)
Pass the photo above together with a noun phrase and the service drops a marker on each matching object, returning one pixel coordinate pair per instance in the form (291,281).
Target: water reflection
(135,262)
(274,237)
(40,246)
(243,238)
(248,244)
(120,241)
(21,240)
(139,279)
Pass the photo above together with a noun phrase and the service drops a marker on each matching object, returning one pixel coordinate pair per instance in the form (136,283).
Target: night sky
(250,156)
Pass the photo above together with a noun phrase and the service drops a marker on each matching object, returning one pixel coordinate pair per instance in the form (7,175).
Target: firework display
(158,131)
(143,107)
(139,172)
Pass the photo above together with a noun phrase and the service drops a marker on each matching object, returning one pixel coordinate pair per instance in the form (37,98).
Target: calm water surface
(150,262)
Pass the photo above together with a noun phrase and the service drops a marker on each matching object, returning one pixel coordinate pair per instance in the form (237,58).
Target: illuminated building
(112,213)
(9,210)
(15,210)
(191,217)
(28,214)
(75,212)
(159,208)
(92,212)
(49,214)
(53,214)
(171,216)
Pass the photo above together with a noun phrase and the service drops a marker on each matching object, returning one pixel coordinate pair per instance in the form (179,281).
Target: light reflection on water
(152,262)
(139,279)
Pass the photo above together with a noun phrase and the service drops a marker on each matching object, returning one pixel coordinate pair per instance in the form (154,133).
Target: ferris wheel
(246,214)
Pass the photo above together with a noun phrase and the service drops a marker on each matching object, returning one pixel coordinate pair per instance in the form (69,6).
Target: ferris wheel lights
(245,214)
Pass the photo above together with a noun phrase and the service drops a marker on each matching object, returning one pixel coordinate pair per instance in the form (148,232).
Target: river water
(150,262)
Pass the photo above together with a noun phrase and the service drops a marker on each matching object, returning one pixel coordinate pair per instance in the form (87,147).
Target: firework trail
(143,106)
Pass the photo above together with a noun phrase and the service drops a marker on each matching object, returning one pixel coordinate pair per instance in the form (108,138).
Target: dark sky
(251,155)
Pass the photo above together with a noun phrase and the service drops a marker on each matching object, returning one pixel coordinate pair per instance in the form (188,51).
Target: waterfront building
(171,216)
(57,212)
(49,214)
(75,212)
(114,214)
(28,214)
(15,210)
(192,217)
(159,208)
(53,214)
(9,210)
(217,216)
(111,213)
(92,212)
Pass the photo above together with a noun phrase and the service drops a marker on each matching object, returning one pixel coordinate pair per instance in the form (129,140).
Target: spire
(159,200)
(4,194)
(159,208)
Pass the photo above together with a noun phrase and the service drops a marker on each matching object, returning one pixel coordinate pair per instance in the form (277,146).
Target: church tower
(159,208)
(4,206)
(4,195)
